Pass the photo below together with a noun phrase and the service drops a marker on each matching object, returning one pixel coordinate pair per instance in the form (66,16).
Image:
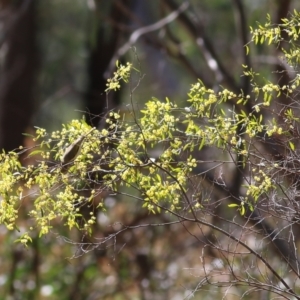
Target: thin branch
(207,48)
(142,31)
(162,45)
(243,29)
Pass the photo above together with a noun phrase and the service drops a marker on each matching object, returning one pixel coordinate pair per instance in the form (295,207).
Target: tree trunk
(18,72)
(104,46)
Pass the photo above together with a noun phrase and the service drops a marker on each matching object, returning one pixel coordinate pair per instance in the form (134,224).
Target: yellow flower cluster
(262,184)
(122,73)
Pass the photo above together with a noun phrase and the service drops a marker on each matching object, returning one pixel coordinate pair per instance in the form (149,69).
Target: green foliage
(277,33)
(122,153)
(123,73)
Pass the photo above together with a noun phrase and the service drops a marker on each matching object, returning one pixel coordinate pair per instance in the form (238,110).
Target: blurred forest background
(55,58)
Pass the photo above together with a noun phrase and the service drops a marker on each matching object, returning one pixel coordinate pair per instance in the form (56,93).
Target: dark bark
(107,39)
(18,74)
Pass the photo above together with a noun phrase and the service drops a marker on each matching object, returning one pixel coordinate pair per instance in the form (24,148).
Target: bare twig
(213,61)
(142,31)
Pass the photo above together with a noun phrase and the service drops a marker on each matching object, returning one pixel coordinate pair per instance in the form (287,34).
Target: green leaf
(247,50)
(28,134)
(35,152)
(292,146)
(270,39)
(158,177)
(233,205)
(202,143)
(242,210)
